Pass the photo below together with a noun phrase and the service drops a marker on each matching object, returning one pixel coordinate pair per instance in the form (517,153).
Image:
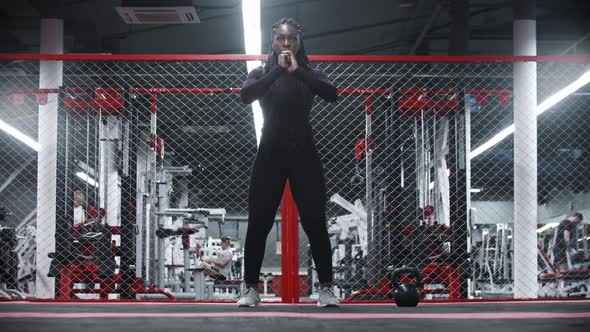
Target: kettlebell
(406,295)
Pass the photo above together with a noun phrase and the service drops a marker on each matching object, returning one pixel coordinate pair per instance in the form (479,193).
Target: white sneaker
(249,298)
(327,298)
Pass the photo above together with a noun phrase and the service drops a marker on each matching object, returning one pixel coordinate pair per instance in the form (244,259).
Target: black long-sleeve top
(286,100)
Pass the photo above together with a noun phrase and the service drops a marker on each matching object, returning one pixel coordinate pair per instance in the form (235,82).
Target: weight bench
(227,286)
(566,283)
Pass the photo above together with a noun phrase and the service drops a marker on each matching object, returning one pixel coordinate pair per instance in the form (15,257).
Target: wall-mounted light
(252,43)
(87,178)
(10,130)
(542,107)
(548,226)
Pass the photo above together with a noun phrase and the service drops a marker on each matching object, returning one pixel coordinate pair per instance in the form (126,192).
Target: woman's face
(285,38)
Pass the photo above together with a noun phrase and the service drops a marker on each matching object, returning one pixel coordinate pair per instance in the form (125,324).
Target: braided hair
(301,56)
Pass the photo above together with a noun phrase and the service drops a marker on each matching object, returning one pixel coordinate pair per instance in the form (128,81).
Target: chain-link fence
(121,178)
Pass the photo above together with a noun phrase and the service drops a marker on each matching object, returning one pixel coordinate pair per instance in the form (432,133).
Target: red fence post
(289,248)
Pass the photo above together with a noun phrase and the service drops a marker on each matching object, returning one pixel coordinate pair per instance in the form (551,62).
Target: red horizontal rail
(364,91)
(185,90)
(137,90)
(448,58)
(131,57)
(359,91)
(320,58)
(55,90)
(353,91)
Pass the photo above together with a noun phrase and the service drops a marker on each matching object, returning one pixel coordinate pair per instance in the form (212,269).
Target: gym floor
(160,316)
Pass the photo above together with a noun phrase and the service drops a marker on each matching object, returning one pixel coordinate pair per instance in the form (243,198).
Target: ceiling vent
(158,12)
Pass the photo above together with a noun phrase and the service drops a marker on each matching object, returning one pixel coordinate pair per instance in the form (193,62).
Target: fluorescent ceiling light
(474,190)
(561,94)
(548,226)
(495,140)
(87,169)
(542,107)
(18,135)
(252,43)
(251,18)
(86,178)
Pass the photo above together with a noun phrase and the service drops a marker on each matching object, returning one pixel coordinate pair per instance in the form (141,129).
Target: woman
(285,87)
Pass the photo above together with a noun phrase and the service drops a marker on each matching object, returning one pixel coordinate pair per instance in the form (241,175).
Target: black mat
(435,317)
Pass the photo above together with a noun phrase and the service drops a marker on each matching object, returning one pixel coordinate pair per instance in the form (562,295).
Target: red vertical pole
(285,253)
(65,283)
(454,280)
(293,223)
(289,248)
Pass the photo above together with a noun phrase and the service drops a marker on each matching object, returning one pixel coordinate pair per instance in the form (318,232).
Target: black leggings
(272,167)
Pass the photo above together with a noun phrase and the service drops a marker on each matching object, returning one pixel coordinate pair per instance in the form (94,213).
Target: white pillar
(525,153)
(50,76)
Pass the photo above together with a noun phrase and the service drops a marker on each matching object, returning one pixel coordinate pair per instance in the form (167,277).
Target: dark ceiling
(331,26)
